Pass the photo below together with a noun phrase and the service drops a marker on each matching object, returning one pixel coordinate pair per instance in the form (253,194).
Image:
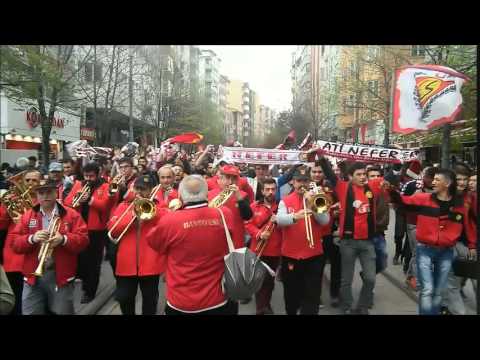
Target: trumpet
(262,243)
(143,209)
(46,249)
(222,197)
(85,189)
(321,202)
(115,184)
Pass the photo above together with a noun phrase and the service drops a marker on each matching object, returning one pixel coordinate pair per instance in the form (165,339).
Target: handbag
(7,297)
(466,268)
(244,272)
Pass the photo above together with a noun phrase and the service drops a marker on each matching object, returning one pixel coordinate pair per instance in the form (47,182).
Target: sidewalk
(105,291)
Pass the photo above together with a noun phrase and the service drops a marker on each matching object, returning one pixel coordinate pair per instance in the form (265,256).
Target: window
(98,72)
(323,49)
(372,88)
(418,50)
(373,52)
(88,72)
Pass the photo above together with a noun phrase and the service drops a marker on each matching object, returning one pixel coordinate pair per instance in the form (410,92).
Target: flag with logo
(426,96)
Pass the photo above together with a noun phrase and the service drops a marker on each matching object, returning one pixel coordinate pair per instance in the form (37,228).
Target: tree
(43,74)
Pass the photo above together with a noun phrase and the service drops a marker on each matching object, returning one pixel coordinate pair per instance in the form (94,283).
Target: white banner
(261,156)
(365,153)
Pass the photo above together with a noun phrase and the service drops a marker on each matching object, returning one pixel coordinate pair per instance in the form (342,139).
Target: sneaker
(321,305)
(444,311)
(412,283)
(362,311)
(335,302)
(245,301)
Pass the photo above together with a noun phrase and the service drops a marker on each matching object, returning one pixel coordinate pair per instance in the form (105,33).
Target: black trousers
(16,282)
(127,287)
(400,231)
(230,308)
(3,237)
(111,254)
(90,262)
(302,283)
(332,254)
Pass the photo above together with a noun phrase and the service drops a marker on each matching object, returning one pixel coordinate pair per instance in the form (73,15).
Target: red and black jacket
(437,226)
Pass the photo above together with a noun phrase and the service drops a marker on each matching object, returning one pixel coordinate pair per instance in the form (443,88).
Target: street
(391,295)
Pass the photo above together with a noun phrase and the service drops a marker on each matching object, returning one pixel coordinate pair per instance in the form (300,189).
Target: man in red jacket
(214,182)
(194,242)
(301,265)
(137,264)
(52,292)
(94,207)
(265,242)
(238,202)
(13,262)
(166,193)
(357,225)
(442,216)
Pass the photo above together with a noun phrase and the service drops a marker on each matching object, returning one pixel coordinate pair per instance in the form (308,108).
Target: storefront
(21,132)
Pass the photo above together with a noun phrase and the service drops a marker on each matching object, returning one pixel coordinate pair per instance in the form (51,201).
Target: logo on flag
(426,96)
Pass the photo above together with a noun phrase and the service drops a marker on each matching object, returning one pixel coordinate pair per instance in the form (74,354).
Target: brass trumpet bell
(144,209)
(320,204)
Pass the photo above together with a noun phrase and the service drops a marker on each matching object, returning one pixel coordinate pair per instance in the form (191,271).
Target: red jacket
(361,212)
(443,231)
(161,200)
(12,262)
(254,226)
(238,236)
(134,256)
(100,205)
(4,218)
(474,202)
(193,240)
(72,226)
(243,185)
(294,237)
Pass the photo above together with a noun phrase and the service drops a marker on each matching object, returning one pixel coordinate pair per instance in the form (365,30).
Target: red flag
(186,138)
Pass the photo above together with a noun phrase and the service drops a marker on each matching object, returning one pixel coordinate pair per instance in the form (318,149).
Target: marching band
(154,221)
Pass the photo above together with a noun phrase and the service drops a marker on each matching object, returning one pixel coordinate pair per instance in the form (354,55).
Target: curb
(100,300)
(400,285)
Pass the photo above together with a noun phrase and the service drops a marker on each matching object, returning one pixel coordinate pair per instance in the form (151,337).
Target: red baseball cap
(230,170)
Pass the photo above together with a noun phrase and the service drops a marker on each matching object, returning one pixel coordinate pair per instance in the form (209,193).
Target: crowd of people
(120,208)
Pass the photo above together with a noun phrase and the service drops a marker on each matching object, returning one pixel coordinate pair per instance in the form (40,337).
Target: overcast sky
(266,68)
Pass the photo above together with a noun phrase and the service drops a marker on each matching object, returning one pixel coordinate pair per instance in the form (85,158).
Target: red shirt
(72,226)
(12,261)
(243,185)
(361,211)
(134,256)
(238,236)
(254,226)
(100,205)
(294,237)
(194,243)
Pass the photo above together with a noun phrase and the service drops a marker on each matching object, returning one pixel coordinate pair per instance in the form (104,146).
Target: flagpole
(389,123)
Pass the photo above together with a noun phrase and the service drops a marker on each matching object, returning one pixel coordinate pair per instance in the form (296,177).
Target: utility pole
(130,95)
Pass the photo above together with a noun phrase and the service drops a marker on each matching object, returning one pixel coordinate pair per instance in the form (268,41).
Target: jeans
(412,240)
(381,255)
(451,296)
(332,254)
(351,250)
(433,266)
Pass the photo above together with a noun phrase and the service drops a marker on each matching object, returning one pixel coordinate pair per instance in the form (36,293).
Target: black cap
(300,175)
(144,181)
(46,184)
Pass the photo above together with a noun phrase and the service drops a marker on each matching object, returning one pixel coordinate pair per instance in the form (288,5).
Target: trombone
(76,199)
(46,249)
(319,204)
(143,209)
(262,244)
